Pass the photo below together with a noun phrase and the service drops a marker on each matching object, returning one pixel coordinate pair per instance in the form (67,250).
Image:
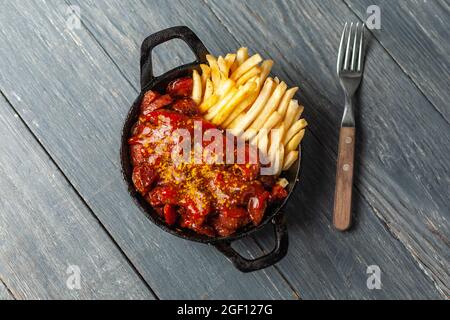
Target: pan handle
(180,32)
(246,265)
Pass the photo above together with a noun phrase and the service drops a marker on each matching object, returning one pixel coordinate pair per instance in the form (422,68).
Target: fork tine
(347,51)
(361,52)
(354,50)
(341,50)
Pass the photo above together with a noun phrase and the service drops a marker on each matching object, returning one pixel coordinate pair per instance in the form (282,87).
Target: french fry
(282,108)
(256,137)
(295,141)
(215,72)
(240,95)
(291,111)
(289,159)
(247,102)
(249,134)
(223,67)
(281,156)
(230,59)
(236,121)
(260,102)
(246,66)
(271,106)
(263,141)
(241,55)
(277,161)
(276,148)
(299,112)
(236,92)
(209,89)
(234,66)
(208,103)
(283,181)
(294,129)
(196,87)
(225,87)
(206,74)
(266,66)
(255,71)
(276,136)
(271,122)
(220,104)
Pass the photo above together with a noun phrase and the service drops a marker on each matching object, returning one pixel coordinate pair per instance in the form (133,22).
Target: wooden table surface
(65,90)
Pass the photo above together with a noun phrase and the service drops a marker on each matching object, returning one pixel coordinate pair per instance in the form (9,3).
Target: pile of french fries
(235,92)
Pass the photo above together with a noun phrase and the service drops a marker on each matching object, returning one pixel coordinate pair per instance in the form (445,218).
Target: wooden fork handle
(344,179)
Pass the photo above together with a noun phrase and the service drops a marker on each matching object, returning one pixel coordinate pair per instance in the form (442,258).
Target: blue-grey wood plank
(45,228)
(335,269)
(418,41)
(5,293)
(403,143)
(74,99)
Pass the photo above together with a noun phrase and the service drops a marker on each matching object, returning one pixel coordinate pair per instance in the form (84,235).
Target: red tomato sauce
(211,199)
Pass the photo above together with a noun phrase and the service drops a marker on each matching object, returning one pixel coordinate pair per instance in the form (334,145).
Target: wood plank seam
(422,266)
(167,283)
(373,36)
(295,292)
(103,49)
(7,289)
(131,76)
(360,193)
(127,259)
(221,21)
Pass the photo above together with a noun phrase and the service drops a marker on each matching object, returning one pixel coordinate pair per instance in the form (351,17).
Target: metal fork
(350,66)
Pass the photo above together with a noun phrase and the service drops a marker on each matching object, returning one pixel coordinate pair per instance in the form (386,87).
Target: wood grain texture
(45,228)
(418,42)
(320,263)
(402,144)
(66,82)
(5,293)
(75,100)
(342,212)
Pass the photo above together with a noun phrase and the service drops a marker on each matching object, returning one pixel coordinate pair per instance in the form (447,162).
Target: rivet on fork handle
(344,179)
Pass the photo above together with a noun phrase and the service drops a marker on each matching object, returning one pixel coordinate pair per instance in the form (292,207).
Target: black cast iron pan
(274,215)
